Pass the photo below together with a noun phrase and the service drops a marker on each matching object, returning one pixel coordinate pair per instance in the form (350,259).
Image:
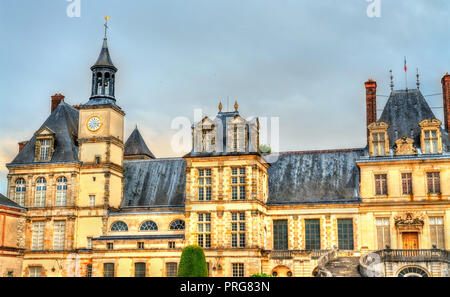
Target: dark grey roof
(403,112)
(159,182)
(136,146)
(104,59)
(101,100)
(9,203)
(64,122)
(320,176)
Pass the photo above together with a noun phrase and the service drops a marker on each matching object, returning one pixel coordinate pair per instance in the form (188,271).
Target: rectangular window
(139,270)
(312,234)
(379,144)
(171,269)
(431,142)
(407,183)
(92,200)
(38,236)
(383,233)
(89,243)
(59,236)
(381,188)
(434,182)
(437,232)
(345,234)
(140,245)
(35,271)
(44,150)
(89,270)
(108,269)
(238,269)
(238,230)
(280,235)
(204,230)
(238,189)
(204,184)
(110,246)
(171,244)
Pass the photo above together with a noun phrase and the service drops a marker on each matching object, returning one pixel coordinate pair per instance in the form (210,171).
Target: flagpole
(406,75)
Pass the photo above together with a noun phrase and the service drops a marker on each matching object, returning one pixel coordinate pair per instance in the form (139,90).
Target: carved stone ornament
(405,146)
(409,220)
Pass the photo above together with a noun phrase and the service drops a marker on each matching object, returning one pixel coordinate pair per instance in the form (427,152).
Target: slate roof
(317,176)
(136,146)
(403,112)
(9,203)
(64,122)
(159,182)
(104,59)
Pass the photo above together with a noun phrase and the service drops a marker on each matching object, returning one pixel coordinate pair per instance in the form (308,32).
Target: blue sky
(302,61)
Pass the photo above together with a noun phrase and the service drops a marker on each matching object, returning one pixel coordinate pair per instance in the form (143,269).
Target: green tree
(193,262)
(265,149)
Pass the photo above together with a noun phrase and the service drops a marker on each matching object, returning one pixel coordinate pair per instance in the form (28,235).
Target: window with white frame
(59,235)
(381,188)
(37,240)
(407,184)
(44,152)
(238,230)
(61,191)
(434,182)
(204,230)
(379,144)
(20,193)
(437,232)
(204,184)
(431,141)
(92,200)
(41,192)
(383,233)
(238,188)
(35,271)
(89,243)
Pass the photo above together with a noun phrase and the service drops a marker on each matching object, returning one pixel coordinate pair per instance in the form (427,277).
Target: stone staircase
(344,267)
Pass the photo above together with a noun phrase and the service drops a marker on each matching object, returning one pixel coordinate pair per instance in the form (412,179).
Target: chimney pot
(22,145)
(371,103)
(56,100)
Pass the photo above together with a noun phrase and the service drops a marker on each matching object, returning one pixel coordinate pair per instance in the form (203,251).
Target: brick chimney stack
(56,100)
(371,102)
(446,95)
(22,145)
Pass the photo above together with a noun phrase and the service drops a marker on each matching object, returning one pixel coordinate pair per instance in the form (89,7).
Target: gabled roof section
(315,177)
(404,110)
(64,123)
(136,146)
(9,203)
(150,183)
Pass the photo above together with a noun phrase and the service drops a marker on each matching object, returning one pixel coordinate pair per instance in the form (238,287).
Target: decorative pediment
(430,123)
(378,126)
(405,146)
(237,119)
(45,131)
(410,221)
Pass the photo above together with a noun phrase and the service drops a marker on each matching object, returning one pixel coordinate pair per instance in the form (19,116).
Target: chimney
(56,100)
(22,145)
(371,102)
(446,95)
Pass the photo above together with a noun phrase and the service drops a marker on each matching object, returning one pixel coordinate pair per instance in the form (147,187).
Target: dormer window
(208,140)
(379,139)
(237,140)
(431,136)
(44,145)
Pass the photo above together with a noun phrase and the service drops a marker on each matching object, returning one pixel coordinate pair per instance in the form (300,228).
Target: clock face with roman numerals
(94,123)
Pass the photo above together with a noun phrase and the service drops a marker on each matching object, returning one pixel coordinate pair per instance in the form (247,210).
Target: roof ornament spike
(220,106)
(236,105)
(418,79)
(392,80)
(106,26)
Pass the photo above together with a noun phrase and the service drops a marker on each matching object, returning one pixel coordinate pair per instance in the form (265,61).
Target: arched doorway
(282,271)
(412,271)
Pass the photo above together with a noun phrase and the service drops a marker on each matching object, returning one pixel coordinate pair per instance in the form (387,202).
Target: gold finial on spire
(236,105)
(220,106)
(106,25)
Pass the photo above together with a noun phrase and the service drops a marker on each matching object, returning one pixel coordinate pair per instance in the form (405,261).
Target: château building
(83,201)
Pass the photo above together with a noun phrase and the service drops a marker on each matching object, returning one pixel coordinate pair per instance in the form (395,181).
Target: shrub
(261,275)
(193,262)
(265,149)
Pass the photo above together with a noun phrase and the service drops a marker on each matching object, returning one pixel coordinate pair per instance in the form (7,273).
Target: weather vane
(392,80)
(106,25)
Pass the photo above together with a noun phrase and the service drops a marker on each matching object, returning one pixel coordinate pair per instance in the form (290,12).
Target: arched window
(106,83)
(413,272)
(61,191)
(149,226)
(177,225)
(41,192)
(21,190)
(119,227)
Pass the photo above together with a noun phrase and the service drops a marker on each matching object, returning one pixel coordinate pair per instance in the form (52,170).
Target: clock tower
(100,138)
